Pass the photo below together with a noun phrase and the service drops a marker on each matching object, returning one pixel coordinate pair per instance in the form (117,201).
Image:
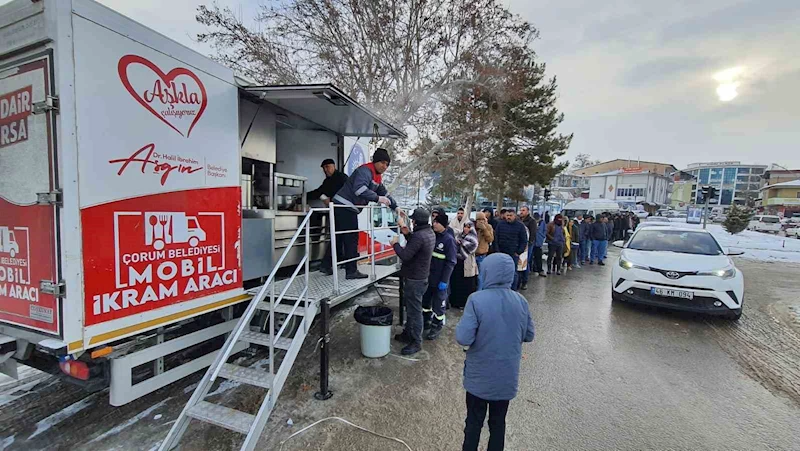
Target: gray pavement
(598,376)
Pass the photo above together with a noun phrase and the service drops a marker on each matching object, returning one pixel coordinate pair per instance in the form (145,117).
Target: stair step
(249,376)
(387,287)
(261,339)
(282,308)
(256,338)
(231,419)
(283,343)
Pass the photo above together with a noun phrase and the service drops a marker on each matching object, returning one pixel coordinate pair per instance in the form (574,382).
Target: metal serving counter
(266,233)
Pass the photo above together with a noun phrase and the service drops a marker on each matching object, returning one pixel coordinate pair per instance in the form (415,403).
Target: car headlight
(724,273)
(630,265)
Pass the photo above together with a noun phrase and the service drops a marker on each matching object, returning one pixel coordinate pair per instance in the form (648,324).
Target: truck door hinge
(48,104)
(57,289)
(51,198)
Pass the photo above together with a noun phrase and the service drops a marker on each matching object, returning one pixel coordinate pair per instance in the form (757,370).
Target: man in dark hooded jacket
(496,322)
(443,260)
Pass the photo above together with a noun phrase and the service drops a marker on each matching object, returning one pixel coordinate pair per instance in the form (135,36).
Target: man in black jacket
(600,233)
(334,180)
(416,258)
(511,238)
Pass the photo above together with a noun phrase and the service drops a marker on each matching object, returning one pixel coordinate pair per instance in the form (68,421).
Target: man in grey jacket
(496,322)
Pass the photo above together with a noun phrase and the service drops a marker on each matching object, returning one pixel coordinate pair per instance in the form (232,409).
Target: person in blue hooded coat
(496,322)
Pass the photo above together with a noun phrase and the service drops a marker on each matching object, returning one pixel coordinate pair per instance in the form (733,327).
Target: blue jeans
(479,260)
(586,248)
(599,249)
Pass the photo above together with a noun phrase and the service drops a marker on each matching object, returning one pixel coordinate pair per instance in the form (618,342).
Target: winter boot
(411,349)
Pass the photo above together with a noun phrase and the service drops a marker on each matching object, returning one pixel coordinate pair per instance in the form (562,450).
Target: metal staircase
(302,300)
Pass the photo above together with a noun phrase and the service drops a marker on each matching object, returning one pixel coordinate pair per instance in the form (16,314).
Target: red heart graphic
(122,68)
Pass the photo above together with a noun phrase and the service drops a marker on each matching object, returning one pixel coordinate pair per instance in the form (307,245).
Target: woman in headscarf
(464,278)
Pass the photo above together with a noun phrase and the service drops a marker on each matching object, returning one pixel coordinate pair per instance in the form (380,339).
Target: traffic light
(707,193)
(546,195)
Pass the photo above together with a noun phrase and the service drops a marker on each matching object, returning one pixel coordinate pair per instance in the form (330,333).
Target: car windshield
(681,241)
(574,213)
(771,219)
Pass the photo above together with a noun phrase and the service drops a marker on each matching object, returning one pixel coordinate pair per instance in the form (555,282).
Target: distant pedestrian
(511,239)
(416,258)
(464,278)
(586,239)
(485,237)
(490,218)
(556,240)
(530,223)
(440,211)
(457,223)
(496,322)
(599,241)
(567,260)
(575,249)
(541,236)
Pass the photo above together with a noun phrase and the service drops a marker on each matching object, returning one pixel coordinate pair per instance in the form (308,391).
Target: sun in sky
(728,83)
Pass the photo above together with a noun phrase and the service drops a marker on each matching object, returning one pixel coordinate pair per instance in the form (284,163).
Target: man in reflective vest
(443,261)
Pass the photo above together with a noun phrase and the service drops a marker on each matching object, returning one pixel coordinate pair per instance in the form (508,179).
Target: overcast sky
(676,81)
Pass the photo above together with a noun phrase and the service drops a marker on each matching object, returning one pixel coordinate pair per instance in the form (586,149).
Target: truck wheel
(13,253)
(193,241)
(158,244)
(280,318)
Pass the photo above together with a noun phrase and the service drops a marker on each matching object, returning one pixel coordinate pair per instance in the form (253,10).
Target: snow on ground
(56,418)
(756,245)
(119,428)
(6,442)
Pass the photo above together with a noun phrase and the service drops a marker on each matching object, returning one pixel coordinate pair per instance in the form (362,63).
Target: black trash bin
(375,327)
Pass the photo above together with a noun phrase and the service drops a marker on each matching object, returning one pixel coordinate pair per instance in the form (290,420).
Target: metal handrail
(251,309)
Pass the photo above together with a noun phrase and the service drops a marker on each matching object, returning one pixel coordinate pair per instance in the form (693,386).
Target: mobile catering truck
(143,192)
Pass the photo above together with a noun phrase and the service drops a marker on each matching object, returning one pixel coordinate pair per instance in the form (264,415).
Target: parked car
(719,219)
(765,223)
(654,221)
(678,268)
(793,232)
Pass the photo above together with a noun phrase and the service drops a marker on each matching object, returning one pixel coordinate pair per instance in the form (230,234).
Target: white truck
(126,238)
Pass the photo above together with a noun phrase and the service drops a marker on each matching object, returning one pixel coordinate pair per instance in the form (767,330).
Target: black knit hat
(441,218)
(381,154)
(421,216)
(327,161)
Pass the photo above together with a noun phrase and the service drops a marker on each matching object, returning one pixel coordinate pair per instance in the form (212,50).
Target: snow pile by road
(756,245)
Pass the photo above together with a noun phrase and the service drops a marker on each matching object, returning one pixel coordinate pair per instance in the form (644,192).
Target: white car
(765,223)
(678,268)
(793,232)
(655,221)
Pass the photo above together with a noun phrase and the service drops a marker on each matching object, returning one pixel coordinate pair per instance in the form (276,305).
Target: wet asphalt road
(598,376)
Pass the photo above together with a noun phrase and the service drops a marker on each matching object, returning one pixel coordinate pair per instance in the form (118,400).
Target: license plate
(672,293)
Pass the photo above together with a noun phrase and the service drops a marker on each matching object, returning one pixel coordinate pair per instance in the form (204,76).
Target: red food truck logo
(15,268)
(166,257)
(178,97)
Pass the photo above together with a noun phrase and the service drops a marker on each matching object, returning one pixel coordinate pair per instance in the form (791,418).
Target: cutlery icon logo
(164,228)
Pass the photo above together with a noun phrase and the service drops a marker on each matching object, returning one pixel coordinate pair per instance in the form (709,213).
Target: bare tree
(583,160)
(395,56)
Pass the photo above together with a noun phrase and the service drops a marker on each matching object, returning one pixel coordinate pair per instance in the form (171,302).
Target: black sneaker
(524,287)
(356,275)
(542,274)
(434,333)
(601,263)
(326,271)
(403,338)
(411,349)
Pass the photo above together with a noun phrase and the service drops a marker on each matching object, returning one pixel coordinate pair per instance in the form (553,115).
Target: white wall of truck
(144,125)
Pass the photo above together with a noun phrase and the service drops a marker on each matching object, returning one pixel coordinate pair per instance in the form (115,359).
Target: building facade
(631,187)
(615,165)
(781,199)
(735,182)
